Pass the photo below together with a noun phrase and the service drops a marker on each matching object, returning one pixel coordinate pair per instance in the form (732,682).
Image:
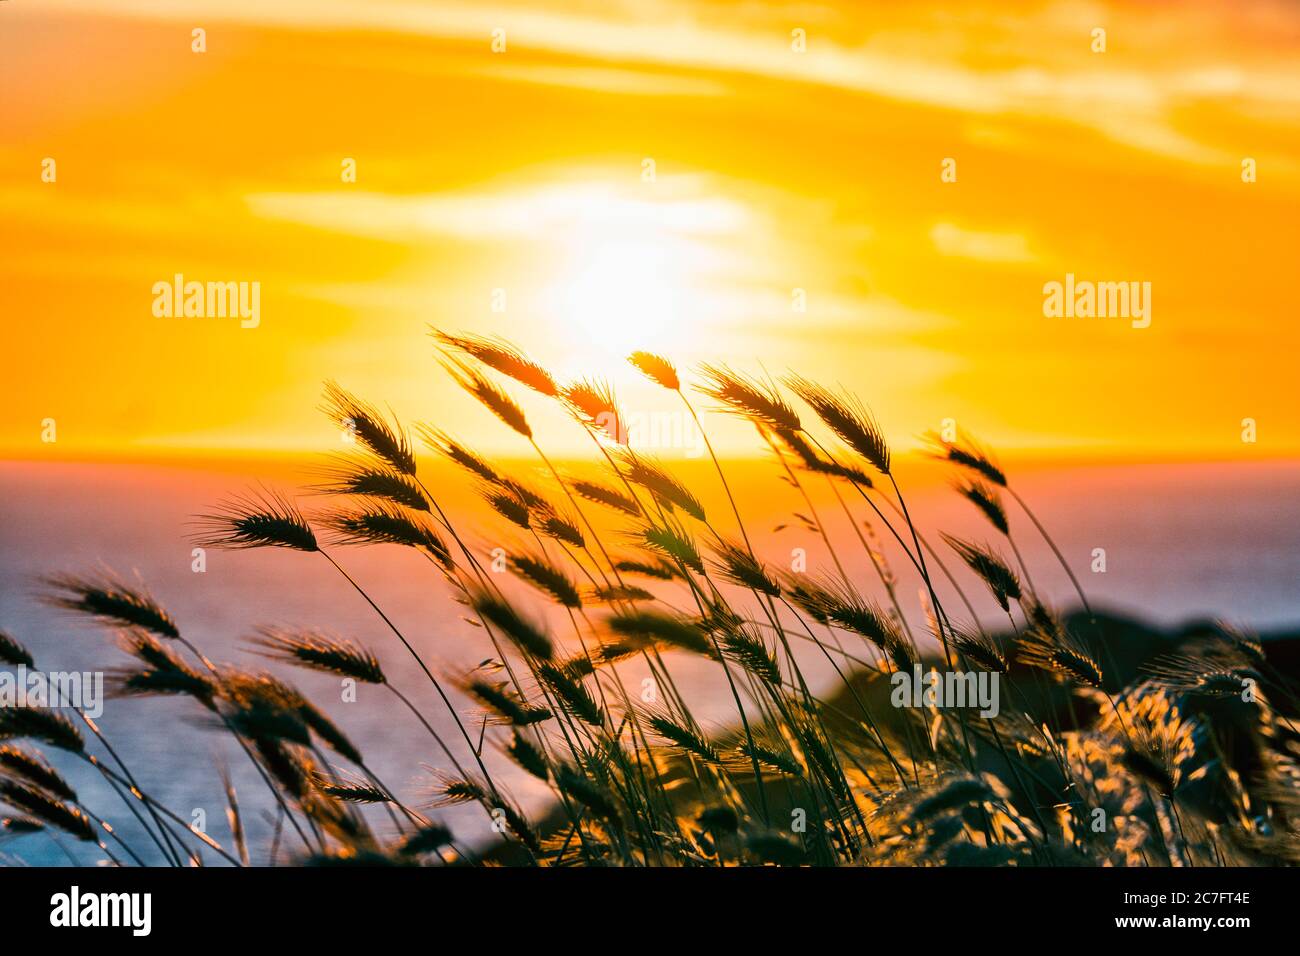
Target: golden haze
(775,170)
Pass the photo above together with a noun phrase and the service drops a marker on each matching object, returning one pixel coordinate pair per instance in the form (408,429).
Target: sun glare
(632,272)
(626,293)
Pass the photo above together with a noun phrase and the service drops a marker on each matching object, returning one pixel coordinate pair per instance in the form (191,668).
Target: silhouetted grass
(1191,761)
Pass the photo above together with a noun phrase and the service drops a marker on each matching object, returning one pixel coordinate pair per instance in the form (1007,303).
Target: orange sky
(775,170)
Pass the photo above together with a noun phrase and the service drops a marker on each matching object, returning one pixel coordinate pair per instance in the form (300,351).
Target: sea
(1167,543)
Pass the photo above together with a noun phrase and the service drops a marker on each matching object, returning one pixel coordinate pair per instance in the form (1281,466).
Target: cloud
(607,80)
(1131,105)
(539,212)
(1004,247)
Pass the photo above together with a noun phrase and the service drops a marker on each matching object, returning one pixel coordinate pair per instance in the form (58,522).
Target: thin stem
(437,685)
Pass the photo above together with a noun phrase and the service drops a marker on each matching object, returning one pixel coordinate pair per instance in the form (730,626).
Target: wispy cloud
(952,240)
(1130,102)
(623,82)
(543,212)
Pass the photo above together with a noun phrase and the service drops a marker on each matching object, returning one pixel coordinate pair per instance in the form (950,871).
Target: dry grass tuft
(108,599)
(13,653)
(503,357)
(656,368)
(847,418)
(492,397)
(320,651)
(364,422)
(749,398)
(992,570)
(260,519)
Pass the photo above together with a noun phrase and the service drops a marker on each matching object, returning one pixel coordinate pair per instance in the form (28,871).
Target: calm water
(1181,542)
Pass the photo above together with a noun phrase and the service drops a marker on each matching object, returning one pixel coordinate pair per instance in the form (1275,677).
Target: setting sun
(866,198)
(631,275)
